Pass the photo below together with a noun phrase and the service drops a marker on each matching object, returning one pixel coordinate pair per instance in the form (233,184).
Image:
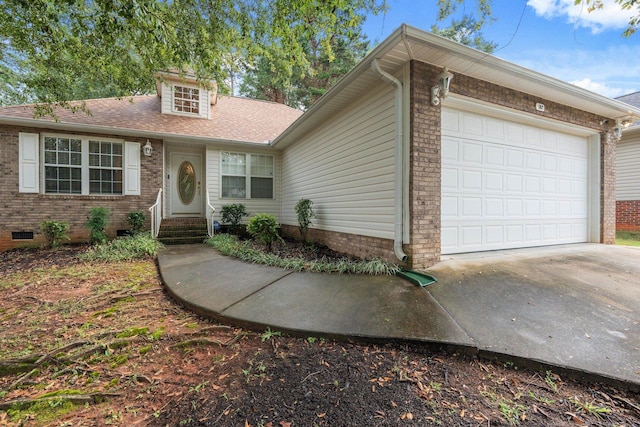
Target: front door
(185,181)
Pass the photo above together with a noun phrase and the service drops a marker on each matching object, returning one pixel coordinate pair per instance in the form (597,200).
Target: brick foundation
(628,215)
(353,244)
(24,211)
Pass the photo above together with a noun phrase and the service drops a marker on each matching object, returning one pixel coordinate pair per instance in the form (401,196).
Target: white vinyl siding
(214,184)
(346,167)
(167,100)
(628,170)
(510,185)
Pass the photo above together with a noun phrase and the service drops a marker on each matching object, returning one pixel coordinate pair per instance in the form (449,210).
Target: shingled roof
(232,119)
(631,99)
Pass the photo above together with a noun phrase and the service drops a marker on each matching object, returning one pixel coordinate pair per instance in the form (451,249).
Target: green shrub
(304,210)
(126,248)
(264,227)
(97,222)
(232,214)
(54,232)
(136,220)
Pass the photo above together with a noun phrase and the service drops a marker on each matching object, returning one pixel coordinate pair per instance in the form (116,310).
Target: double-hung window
(62,165)
(77,165)
(247,176)
(186,99)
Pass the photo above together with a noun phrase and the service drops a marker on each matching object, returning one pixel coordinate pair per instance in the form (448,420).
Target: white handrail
(156,215)
(210,211)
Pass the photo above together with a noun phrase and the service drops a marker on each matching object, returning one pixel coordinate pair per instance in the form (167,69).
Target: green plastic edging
(416,278)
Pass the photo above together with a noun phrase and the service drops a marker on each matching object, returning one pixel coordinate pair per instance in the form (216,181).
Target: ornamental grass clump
(229,245)
(128,248)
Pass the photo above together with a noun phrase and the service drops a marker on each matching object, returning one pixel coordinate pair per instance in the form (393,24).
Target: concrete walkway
(573,308)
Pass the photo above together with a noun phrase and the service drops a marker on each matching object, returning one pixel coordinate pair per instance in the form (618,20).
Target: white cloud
(611,16)
(600,88)
(611,72)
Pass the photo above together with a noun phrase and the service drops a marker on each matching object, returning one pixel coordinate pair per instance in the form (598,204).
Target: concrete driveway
(575,306)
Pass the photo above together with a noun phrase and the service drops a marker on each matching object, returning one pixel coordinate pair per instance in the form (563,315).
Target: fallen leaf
(246,423)
(322,415)
(462,414)
(394,404)
(409,416)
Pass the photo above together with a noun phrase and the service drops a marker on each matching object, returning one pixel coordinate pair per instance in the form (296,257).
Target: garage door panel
(511,186)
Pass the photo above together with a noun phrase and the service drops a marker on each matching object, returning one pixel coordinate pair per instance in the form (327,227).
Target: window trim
(84,166)
(173,100)
(247,175)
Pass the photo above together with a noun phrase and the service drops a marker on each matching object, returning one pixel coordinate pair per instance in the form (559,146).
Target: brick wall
(628,215)
(424,248)
(424,181)
(608,192)
(353,244)
(23,211)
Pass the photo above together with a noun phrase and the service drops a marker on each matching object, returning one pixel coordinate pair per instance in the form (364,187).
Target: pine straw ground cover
(92,344)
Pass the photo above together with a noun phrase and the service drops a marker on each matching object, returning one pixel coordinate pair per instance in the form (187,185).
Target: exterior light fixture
(147,149)
(441,91)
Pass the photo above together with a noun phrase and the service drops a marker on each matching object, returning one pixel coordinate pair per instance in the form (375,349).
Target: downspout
(398,169)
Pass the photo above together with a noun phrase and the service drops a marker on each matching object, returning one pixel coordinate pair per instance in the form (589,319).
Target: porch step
(180,231)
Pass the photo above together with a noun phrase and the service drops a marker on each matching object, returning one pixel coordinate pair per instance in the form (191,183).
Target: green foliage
(231,246)
(97,222)
(264,227)
(466,31)
(54,232)
(305,213)
(634,21)
(136,220)
(269,334)
(232,215)
(84,49)
(326,63)
(125,248)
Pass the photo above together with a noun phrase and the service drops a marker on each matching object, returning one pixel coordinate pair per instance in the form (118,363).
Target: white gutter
(399,164)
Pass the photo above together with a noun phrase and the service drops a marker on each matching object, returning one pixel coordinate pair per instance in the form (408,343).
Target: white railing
(210,211)
(156,215)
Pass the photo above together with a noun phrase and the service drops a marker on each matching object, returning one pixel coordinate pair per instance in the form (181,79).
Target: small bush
(127,248)
(232,215)
(97,222)
(304,210)
(54,232)
(136,220)
(264,227)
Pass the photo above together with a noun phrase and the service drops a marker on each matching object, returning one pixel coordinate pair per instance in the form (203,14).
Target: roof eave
(547,87)
(109,130)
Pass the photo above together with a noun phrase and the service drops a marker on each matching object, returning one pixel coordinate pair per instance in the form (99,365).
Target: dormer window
(186,99)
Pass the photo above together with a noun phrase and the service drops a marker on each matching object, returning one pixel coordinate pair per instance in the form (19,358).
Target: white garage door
(510,185)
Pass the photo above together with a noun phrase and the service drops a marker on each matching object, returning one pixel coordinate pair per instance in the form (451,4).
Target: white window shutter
(28,162)
(132,168)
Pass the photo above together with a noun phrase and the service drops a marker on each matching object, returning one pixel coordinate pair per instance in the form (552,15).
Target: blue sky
(553,37)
